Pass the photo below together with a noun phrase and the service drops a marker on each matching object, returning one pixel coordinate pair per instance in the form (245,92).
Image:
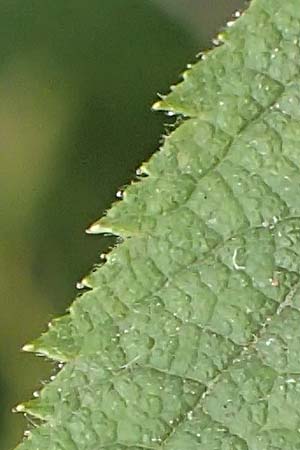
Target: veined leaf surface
(188,337)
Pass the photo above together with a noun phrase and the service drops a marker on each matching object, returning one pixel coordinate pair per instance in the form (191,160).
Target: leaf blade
(177,344)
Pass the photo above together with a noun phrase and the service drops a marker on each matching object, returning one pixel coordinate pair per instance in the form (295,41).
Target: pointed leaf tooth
(30,348)
(105,226)
(57,343)
(96,228)
(21,408)
(38,408)
(44,347)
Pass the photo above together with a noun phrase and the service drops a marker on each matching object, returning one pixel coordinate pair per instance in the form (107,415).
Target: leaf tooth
(164,105)
(142,171)
(35,408)
(95,228)
(19,408)
(107,226)
(30,348)
(57,343)
(85,283)
(157,106)
(171,106)
(102,226)
(41,347)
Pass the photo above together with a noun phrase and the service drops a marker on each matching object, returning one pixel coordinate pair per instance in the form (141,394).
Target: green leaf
(188,336)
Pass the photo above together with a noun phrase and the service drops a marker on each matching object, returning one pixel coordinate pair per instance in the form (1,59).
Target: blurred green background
(77,80)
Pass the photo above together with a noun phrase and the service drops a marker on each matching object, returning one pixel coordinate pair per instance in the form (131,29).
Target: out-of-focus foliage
(203,18)
(75,78)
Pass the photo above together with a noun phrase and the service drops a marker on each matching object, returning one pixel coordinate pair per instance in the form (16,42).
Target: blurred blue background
(77,80)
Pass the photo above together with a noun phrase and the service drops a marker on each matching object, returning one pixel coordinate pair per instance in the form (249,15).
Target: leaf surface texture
(188,336)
